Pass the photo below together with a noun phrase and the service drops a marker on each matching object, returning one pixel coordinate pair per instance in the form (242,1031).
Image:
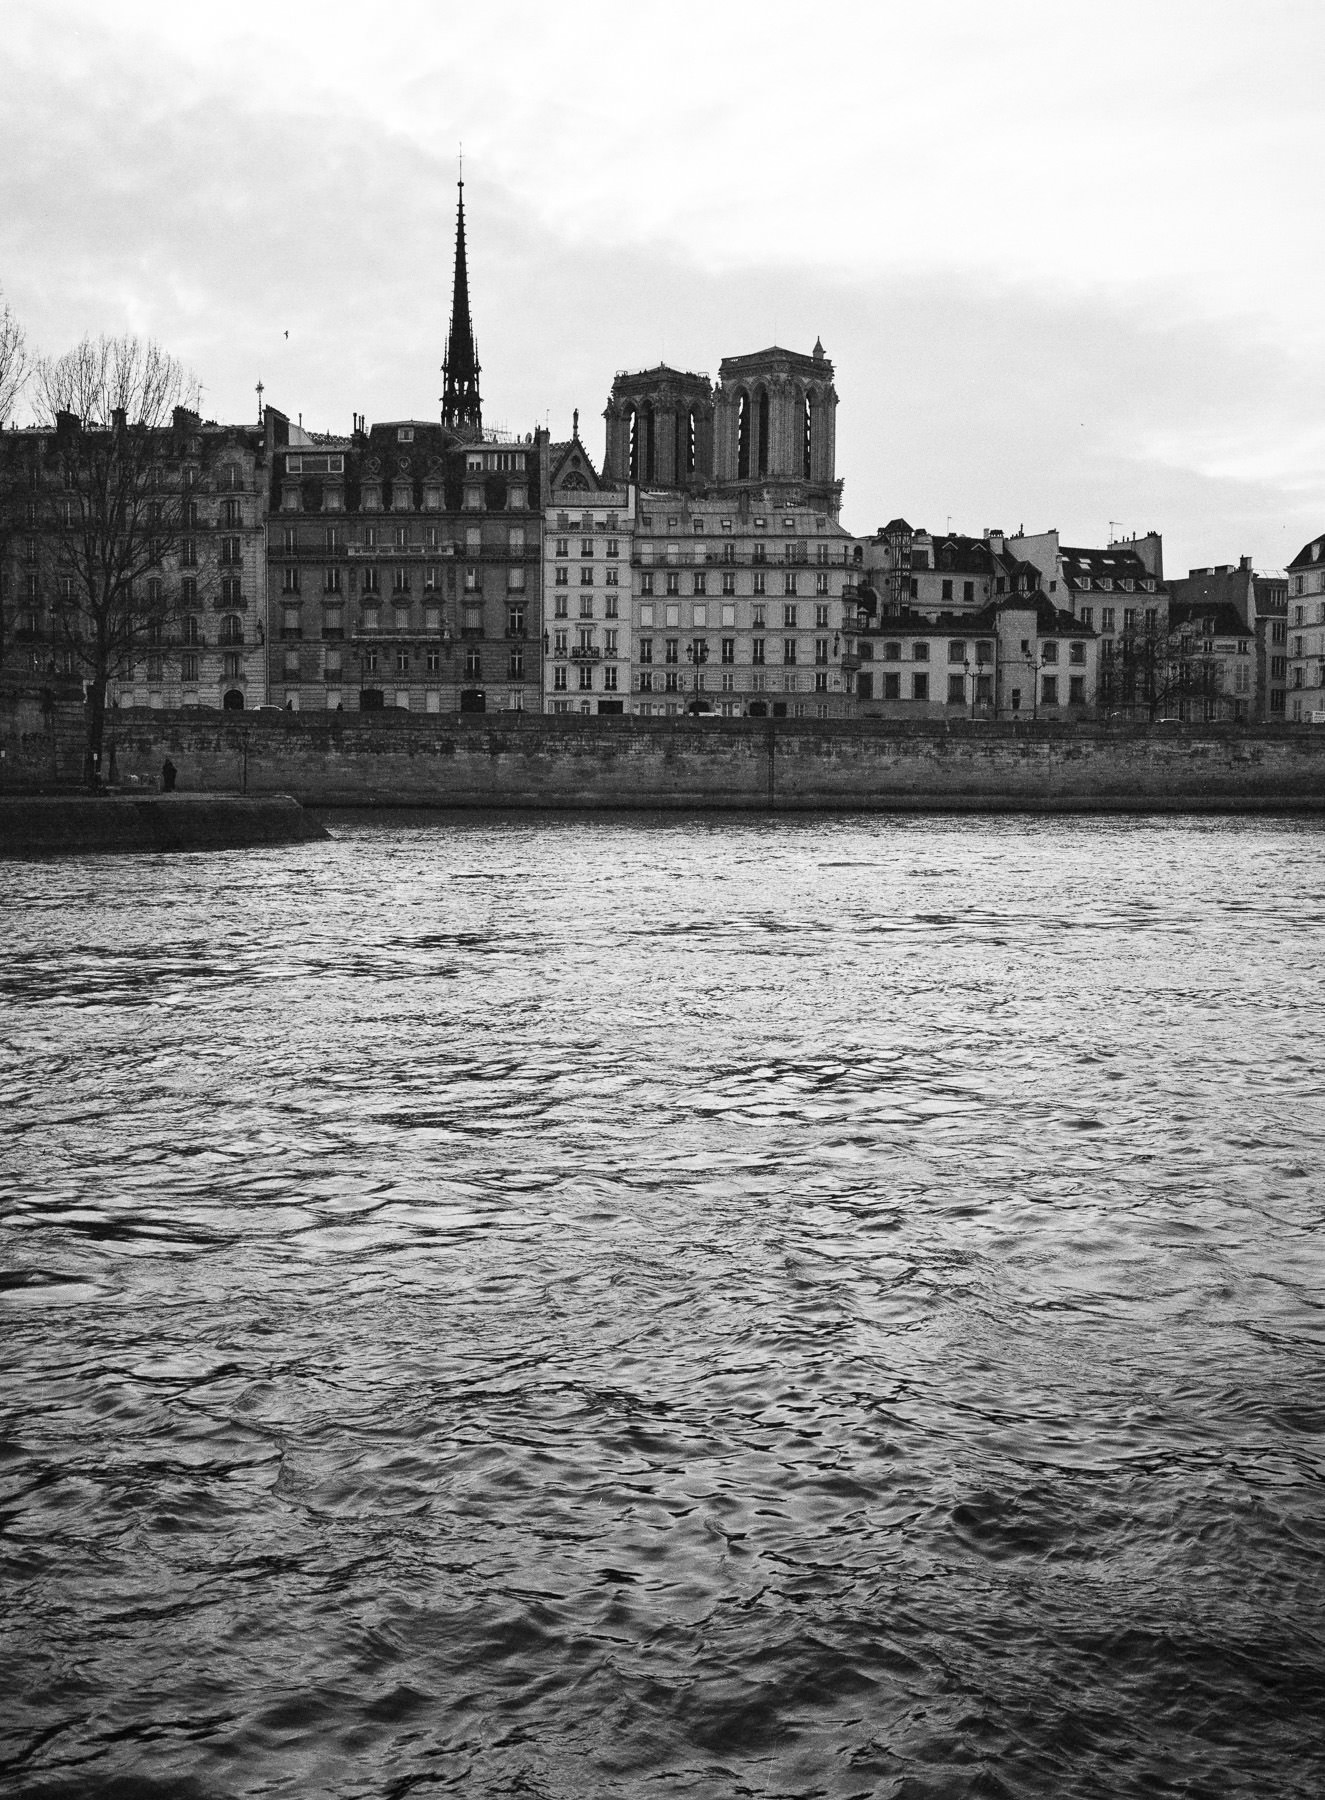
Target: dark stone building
(203,600)
(405,558)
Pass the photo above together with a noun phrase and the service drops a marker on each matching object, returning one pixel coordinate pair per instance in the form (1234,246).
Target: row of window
(611,548)
(699,582)
(963,691)
(561,606)
(369,578)
(760,521)
(668,681)
(611,577)
(697,650)
(231,593)
(585,681)
(403,662)
(963,650)
(190,667)
(729,553)
(337,538)
(587,522)
(699,616)
(332,498)
(333,619)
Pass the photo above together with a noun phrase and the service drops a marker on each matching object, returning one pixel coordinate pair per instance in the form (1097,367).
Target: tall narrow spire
(461,405)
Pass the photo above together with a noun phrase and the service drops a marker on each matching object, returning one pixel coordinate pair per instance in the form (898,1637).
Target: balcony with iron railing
(713,559)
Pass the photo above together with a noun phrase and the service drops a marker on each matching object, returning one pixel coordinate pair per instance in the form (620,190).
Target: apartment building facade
(1305,634)
(405,570)
(948,626)
(204,600)
(738,563)
(588,532)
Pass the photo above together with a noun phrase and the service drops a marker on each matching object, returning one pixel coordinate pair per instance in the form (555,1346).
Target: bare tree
(115,505)
(15,363)
(15,367)
(1153,671)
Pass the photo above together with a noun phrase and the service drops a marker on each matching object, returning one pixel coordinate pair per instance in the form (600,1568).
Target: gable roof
(571,466)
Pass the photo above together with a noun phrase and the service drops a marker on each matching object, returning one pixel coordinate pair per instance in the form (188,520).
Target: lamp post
(697,654)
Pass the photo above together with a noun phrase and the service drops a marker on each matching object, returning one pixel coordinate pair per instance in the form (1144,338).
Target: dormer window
(405,434)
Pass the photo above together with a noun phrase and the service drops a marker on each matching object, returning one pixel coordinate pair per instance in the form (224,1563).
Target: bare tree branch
(15,363)
(106,487)
(103,377)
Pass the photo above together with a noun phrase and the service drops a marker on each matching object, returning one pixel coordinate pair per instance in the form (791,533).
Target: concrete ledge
(42,825)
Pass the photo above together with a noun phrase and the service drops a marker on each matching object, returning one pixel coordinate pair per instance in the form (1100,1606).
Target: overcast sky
(1067,258)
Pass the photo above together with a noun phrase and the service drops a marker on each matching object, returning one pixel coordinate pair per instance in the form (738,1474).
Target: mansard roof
(1224,619)
(956,554)
(1310,554)
(1087,568)
(1050,620)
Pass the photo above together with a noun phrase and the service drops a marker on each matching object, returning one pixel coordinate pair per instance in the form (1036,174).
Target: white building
(1306,635)
(588,530)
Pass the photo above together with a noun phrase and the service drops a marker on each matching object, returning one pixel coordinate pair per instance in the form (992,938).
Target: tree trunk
(96,731)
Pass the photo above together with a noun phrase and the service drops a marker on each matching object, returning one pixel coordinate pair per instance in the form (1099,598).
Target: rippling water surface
(580,1308)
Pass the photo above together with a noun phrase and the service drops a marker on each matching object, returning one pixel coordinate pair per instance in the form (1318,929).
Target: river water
(612,1307)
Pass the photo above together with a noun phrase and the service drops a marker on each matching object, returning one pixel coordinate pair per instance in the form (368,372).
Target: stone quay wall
(48,824)
(533,760)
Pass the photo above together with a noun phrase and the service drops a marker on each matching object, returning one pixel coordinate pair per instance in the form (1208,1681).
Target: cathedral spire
(461,405)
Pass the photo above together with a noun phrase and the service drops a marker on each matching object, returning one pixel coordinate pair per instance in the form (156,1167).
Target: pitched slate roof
(1224,618)
(1309,554)
(1087,568)
(957,555)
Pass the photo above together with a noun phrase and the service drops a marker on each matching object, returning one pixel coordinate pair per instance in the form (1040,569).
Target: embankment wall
(514,760)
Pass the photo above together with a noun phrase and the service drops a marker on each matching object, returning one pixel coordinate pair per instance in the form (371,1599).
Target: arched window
(763,431)
(232,629)
(743,436)
(647,463)
(632,426)
(807,435)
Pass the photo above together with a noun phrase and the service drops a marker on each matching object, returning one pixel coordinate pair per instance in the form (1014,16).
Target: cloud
(1038,312)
